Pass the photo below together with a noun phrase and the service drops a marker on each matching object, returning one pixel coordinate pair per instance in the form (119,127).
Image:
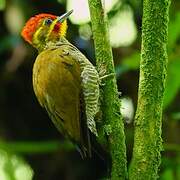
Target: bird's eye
(48,22)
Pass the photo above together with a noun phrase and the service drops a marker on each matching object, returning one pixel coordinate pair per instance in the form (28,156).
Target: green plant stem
(112,120)
(36,147)
(153,70)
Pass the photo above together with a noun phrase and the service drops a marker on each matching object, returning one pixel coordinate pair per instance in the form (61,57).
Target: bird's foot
(103,74)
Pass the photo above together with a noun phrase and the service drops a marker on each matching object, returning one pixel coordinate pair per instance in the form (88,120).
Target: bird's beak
(64,16)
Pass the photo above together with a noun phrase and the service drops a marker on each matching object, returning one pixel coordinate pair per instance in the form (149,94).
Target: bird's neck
(56,44)
(50,44)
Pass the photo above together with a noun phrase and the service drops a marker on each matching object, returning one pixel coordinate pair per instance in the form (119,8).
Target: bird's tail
(85,142)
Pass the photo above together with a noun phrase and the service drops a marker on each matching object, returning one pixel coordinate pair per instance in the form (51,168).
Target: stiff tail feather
(85,142)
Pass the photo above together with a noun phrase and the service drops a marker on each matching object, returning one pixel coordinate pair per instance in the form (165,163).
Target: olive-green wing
(57,84)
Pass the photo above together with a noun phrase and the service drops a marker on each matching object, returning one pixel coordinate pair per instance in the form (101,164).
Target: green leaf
(2,4)
(167,174)
(61,1)
(176,116)
(174,31)
(172,82)
(178,171)
(130,63)
(13,167)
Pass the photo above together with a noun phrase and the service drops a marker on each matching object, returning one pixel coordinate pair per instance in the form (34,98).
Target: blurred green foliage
(26,132)
(2,4)
(13,167)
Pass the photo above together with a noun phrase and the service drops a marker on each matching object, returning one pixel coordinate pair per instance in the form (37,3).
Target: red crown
(32,24)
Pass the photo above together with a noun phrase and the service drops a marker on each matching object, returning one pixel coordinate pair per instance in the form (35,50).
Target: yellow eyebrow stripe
(35,36)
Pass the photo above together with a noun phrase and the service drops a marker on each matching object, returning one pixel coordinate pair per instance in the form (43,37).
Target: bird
(65,82)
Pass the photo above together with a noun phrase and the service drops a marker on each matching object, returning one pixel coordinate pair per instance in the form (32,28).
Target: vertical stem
(153,70)
(112,119)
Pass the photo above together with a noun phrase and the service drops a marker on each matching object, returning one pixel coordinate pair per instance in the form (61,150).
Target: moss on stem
(112,123)
(153,70)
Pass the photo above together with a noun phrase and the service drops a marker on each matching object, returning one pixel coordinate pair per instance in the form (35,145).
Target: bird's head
(44,28)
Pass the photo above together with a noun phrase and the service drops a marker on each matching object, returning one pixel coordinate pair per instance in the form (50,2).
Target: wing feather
(57,85)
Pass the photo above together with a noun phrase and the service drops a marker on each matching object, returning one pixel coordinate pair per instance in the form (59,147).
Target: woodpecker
(65,82)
